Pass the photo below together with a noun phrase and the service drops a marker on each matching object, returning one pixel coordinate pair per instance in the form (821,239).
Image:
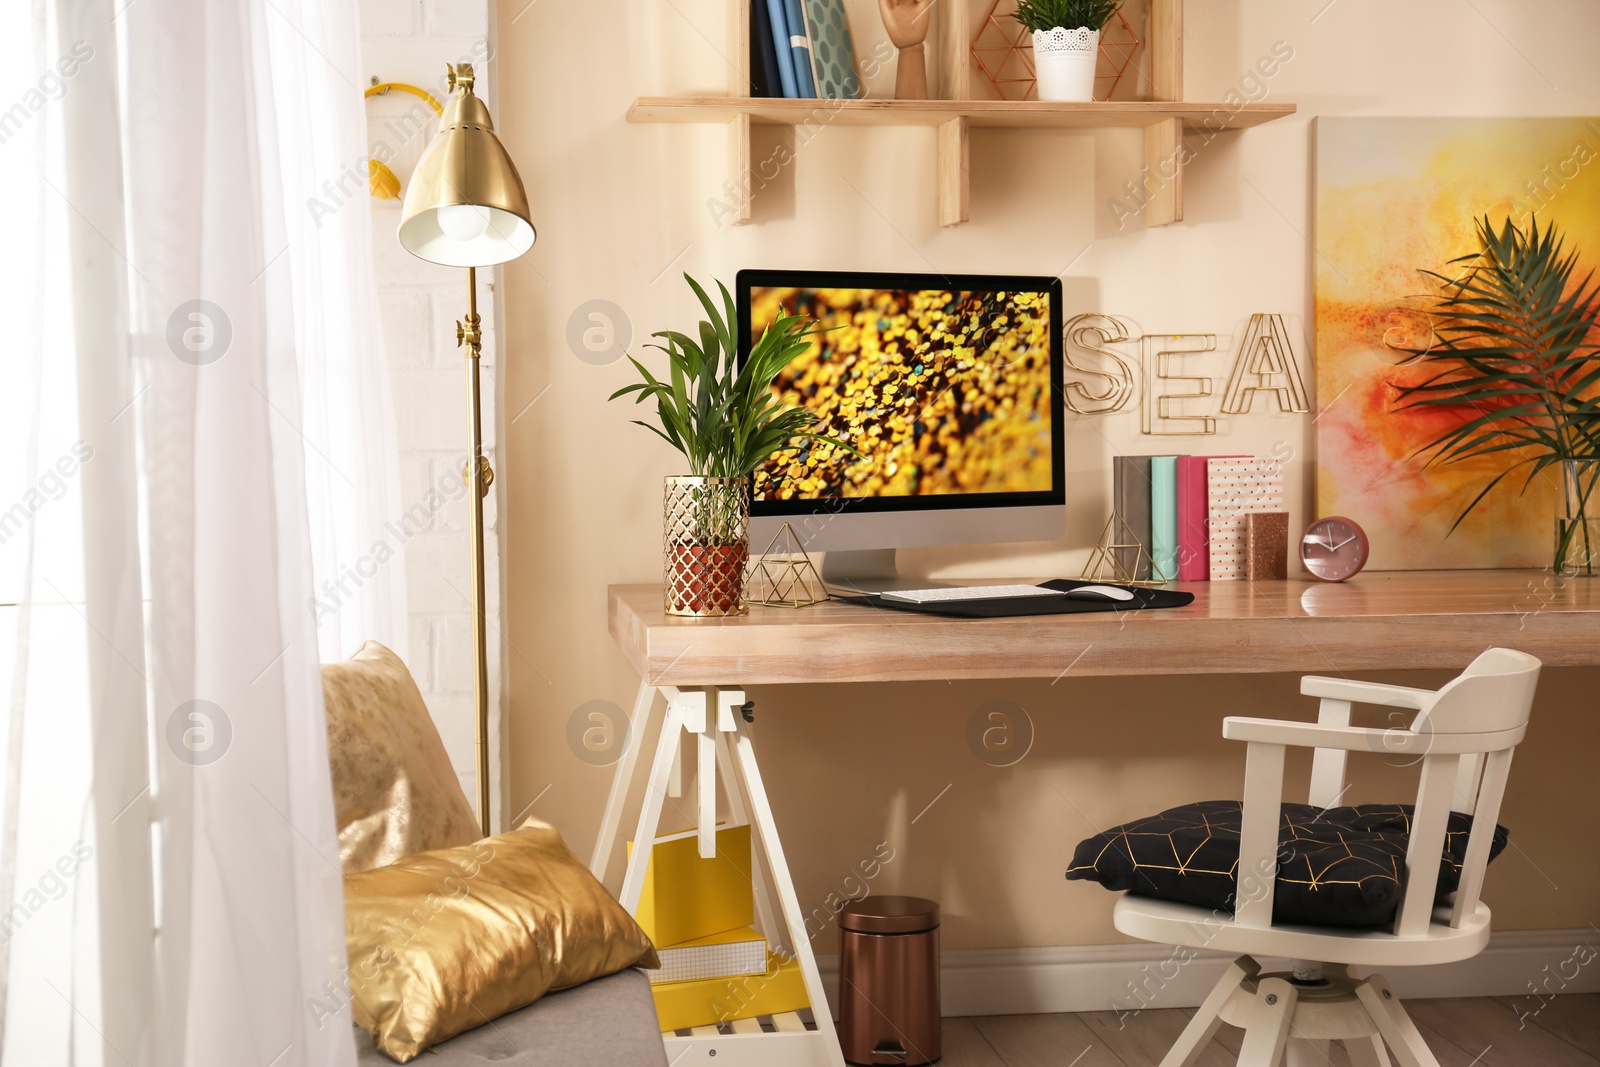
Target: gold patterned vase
(707,543)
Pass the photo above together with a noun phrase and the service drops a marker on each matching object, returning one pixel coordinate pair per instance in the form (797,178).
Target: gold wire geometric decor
(1159,358)
(1118,557)
(1265,364)
(783,575)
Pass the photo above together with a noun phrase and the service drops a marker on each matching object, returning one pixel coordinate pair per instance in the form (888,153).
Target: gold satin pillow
(394,791)
(445,941)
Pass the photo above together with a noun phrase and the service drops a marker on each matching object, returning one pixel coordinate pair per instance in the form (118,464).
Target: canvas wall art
(1394,195)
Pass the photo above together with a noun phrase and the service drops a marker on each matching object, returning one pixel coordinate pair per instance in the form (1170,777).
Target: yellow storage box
(686,898)
(682,1005)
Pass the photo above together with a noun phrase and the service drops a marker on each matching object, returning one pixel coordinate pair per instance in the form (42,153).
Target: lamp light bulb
(463,222)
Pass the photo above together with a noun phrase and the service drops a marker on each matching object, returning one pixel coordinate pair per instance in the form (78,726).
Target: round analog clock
(1333,549)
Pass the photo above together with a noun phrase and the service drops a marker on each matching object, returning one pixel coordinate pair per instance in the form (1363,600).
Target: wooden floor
(1486,1032)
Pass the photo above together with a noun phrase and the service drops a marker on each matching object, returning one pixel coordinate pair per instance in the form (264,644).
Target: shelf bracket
(1163,142)
(954,199)
(1163,172)
(740,180)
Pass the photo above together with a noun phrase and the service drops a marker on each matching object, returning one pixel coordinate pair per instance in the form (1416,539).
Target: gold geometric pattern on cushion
(394,791)
(1336,867)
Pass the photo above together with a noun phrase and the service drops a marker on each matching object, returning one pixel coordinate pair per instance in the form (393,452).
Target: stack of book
(1189,513)
(801,49)
(715,967)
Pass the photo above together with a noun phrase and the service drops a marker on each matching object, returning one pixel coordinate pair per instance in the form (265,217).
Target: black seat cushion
(1336,867)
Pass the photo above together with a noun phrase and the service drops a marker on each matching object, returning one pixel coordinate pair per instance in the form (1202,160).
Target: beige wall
(622,211)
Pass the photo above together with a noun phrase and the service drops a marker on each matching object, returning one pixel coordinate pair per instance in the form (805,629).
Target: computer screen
(947,386)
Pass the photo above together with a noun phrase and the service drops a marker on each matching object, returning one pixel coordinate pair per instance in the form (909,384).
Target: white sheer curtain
(352,458)
(196,437)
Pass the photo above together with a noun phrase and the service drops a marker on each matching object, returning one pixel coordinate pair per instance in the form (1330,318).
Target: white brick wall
(411,41)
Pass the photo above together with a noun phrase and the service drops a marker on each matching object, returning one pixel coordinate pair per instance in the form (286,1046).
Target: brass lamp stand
(466,208)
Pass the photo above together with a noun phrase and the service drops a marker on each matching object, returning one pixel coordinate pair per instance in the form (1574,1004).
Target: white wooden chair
(1463,736)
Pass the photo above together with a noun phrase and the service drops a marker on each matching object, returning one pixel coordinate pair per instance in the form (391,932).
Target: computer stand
(871,570)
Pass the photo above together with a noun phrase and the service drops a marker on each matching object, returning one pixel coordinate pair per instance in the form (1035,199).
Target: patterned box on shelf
(724,955)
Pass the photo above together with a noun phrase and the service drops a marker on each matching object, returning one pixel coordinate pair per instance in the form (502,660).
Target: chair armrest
(1362,739)
(1316,735)
(1395,696)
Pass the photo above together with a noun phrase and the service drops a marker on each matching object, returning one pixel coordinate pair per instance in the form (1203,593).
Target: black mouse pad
(1007,607)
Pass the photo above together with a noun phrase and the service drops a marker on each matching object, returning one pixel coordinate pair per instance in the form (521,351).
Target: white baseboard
(1129,977)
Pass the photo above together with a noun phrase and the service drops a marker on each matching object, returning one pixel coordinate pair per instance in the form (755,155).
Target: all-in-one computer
(947,387)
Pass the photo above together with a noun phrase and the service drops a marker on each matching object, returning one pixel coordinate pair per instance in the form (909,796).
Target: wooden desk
(1382,621)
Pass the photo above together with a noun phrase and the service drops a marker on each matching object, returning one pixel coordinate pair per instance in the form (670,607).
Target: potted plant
(1514,353)
(726,419)
(1066,44)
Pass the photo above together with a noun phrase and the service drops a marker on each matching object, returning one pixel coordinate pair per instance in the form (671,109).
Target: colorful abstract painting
(1394,196)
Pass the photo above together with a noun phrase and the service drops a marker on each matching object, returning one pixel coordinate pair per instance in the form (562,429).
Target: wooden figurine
(907,22)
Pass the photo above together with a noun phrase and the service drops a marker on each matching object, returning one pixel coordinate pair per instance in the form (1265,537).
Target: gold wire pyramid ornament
(783,575)
(1111,560)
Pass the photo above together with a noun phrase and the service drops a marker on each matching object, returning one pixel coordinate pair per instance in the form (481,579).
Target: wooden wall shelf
(1164,117)
(1111,114)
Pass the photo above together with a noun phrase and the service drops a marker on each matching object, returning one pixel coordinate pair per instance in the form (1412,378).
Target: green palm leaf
(1514,349)
(727,419)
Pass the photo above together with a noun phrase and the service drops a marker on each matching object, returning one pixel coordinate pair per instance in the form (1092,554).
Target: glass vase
(1578,520)
(707,543)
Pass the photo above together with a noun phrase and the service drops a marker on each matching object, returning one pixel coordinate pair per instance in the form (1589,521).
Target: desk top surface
(1376,621)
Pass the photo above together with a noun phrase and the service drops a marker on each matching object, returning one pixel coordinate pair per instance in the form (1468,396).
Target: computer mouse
(1100,592)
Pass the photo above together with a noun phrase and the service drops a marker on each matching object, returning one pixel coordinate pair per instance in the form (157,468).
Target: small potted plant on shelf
(727,420)
(1066,44)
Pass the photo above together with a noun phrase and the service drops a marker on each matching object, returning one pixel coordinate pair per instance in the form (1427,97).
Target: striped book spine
(800,44)
(780,44)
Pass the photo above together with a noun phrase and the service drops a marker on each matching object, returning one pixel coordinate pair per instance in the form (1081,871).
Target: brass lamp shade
(466,206)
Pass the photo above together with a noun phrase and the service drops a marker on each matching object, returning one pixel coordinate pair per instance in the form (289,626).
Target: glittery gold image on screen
(942,392)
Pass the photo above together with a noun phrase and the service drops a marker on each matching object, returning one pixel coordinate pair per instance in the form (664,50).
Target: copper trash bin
(889,980)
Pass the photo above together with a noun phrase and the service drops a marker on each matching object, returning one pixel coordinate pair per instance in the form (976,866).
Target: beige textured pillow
(394,791)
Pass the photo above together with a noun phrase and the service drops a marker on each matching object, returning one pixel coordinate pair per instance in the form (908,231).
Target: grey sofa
(609,1022)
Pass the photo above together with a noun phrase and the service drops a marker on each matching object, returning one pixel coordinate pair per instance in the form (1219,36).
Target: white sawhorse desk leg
(721,742)
(638,726)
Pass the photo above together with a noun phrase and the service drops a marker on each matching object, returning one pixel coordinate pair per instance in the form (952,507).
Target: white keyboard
(948,593)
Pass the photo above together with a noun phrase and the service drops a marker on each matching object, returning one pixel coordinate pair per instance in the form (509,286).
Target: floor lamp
(466,208)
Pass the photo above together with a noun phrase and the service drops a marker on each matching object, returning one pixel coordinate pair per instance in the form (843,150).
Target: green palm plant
(1514,340)
(1037,15)
(726,419)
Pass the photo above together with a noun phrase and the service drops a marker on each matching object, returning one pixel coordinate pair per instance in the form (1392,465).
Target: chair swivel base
(1292,1023)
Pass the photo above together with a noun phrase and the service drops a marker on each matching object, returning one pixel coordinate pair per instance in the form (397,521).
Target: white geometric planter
(1065,60)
